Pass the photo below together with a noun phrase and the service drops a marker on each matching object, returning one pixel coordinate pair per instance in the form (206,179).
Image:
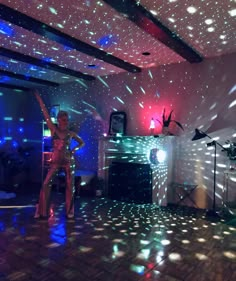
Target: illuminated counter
(138,150)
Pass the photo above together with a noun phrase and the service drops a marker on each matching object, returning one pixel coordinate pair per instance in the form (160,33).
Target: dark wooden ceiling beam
(38,27)
(13,87)
(150,24)
(48,65)
(28,78)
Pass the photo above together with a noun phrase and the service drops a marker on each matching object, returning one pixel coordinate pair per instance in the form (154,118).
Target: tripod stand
(199,135)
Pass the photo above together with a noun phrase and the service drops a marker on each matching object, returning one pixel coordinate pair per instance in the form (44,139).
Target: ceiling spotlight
(92,66)
(146,54)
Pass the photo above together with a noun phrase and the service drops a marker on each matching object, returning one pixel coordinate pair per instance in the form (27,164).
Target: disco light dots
(53,10)
(208,21)
(232,13)
(211,29)
(191,10)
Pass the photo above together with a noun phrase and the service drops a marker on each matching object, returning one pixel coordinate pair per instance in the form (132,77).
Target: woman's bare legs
(44,197)
(69,170)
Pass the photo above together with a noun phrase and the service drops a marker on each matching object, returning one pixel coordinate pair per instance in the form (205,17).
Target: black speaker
(130,182)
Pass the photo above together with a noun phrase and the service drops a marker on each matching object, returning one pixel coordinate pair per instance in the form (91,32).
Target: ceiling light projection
(47,31)
(232,12)
(43,64)
(6,29)
(146,20)
(191,10)
(4,78)
(107,41)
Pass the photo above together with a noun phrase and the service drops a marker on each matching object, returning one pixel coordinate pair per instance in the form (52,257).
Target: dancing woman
(62,157)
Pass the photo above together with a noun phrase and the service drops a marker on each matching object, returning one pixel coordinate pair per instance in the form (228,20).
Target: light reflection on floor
(111,240)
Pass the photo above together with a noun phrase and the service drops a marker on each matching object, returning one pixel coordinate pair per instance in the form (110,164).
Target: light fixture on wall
(152,126)
(199,135)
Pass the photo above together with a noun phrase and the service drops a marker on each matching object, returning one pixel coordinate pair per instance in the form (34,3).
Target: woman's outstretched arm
(45,112)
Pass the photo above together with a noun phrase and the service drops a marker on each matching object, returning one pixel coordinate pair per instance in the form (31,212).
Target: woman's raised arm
(45,112)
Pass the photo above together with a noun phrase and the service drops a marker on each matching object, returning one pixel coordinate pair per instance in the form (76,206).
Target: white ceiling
(126,36)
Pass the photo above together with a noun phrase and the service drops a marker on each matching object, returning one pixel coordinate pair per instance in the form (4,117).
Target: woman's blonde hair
(62,113)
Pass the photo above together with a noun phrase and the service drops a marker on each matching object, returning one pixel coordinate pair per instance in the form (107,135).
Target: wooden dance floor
(113,241)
